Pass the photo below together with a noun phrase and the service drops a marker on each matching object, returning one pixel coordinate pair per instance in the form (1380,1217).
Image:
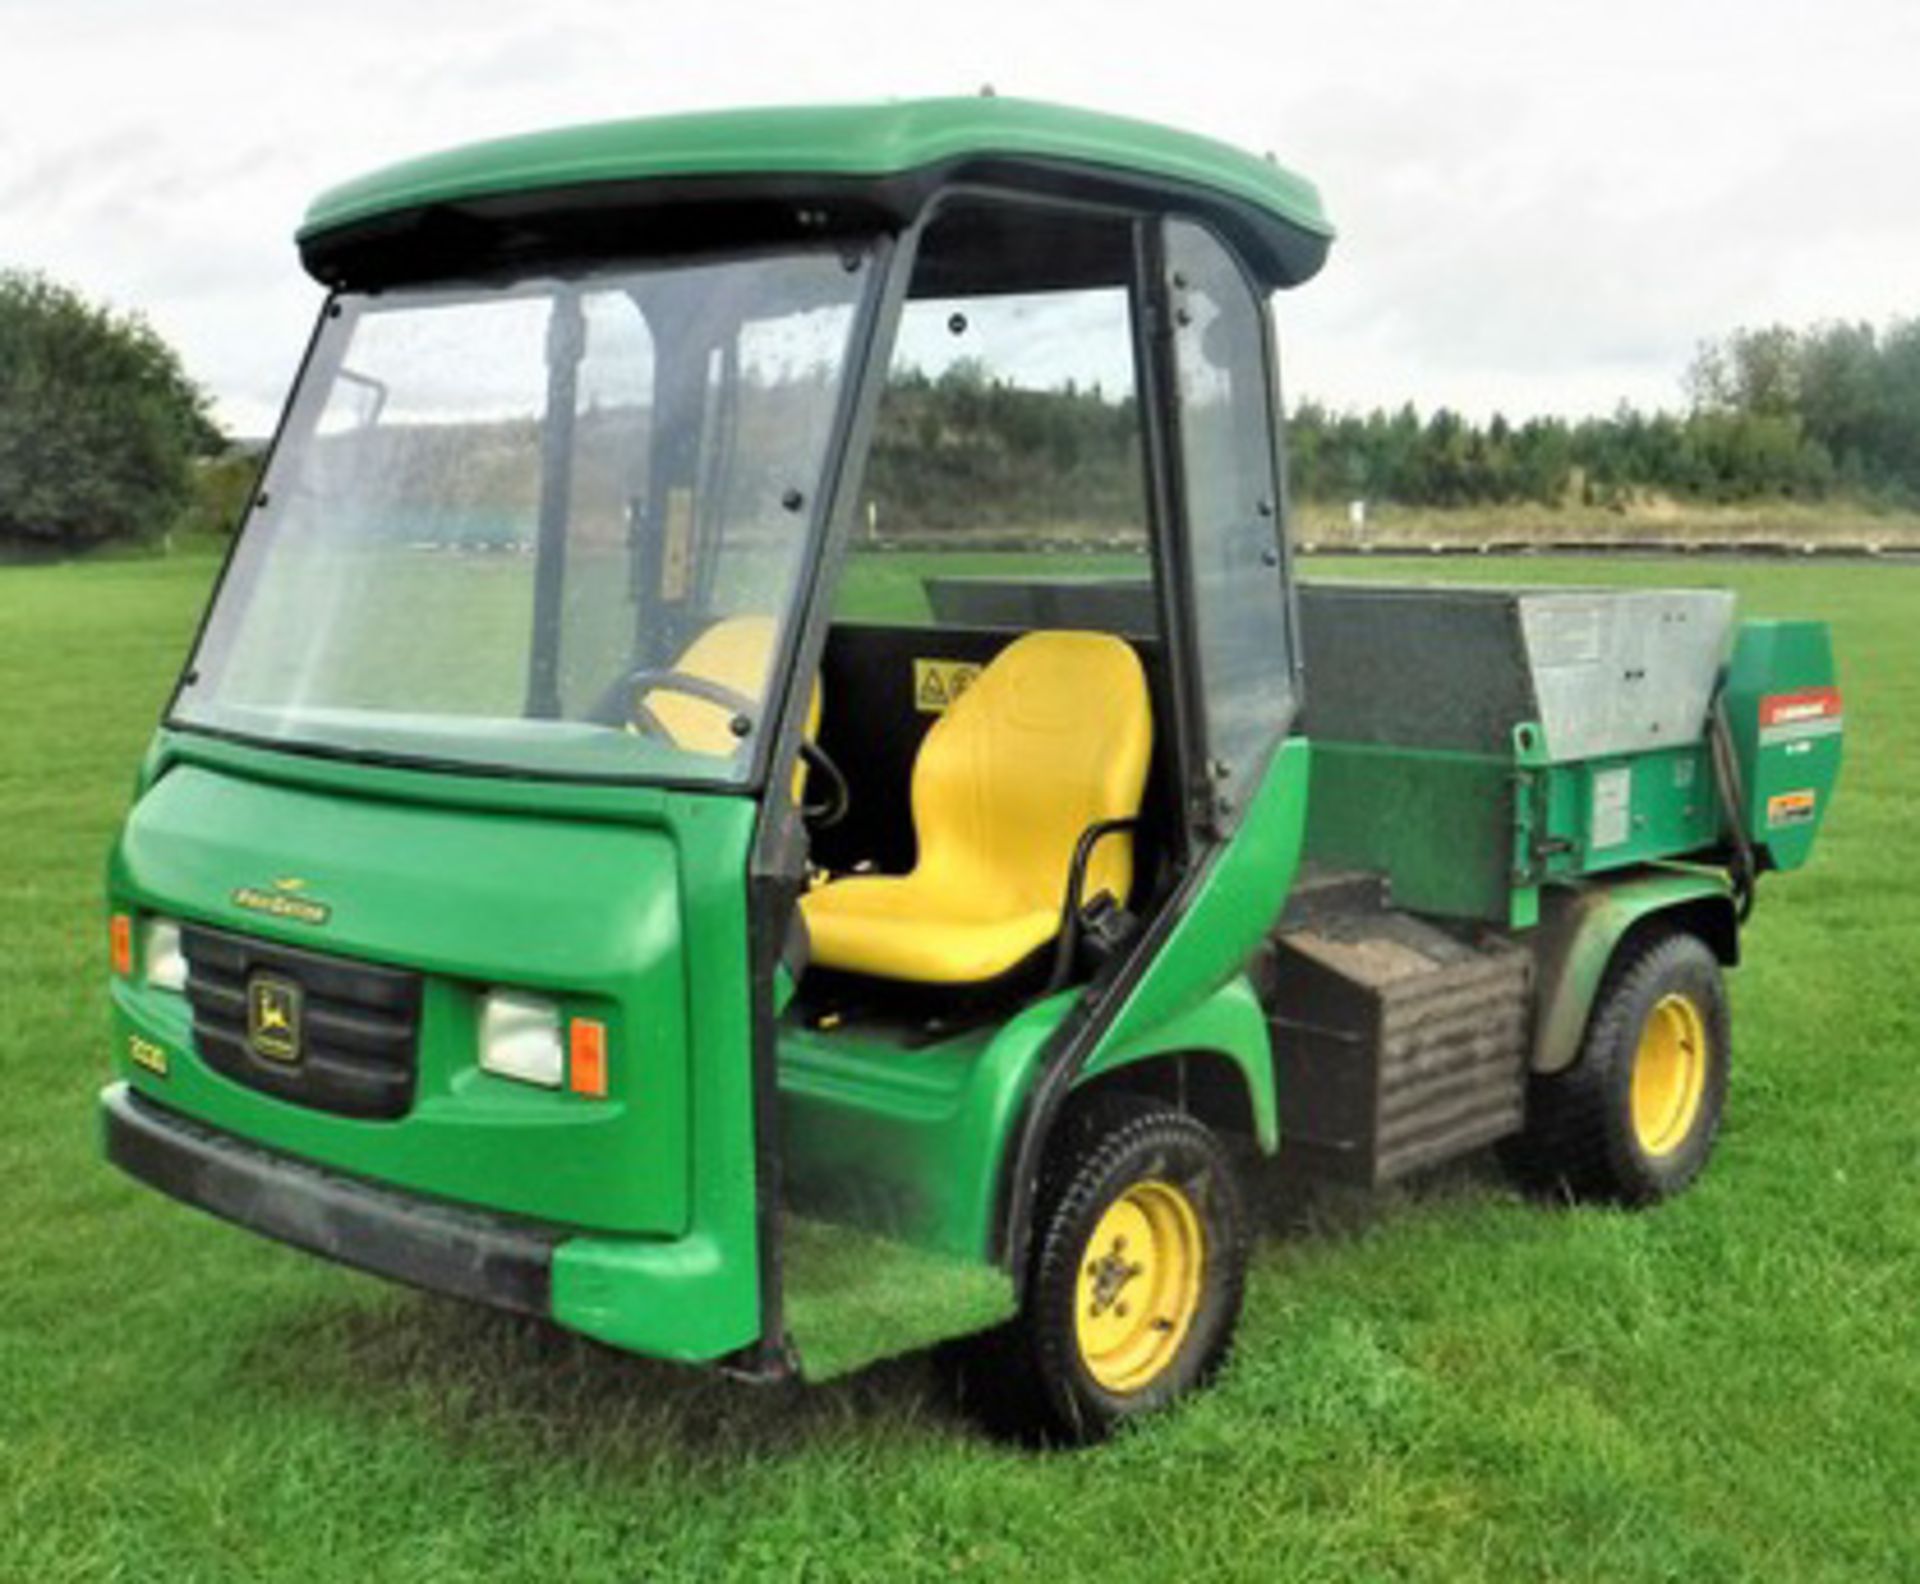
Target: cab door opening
(1009,439)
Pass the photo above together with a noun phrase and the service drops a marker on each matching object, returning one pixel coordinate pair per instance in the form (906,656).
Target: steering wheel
(636,684)
(641,681)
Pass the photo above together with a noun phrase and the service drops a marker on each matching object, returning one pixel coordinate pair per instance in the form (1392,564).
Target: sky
(1543,207)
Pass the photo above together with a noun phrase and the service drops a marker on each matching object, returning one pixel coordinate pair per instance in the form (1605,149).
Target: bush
(99,424)
(222,488)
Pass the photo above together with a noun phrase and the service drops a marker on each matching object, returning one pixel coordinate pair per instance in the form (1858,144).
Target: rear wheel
(1634,1118)
(1140,1256)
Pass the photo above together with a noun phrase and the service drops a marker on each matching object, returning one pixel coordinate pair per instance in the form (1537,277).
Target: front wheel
(1139,1267)
(1634,1118)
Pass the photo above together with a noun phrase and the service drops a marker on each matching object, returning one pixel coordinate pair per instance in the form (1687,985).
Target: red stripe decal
(1787,709)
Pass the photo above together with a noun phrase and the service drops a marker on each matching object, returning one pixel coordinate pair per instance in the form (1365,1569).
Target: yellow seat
(734,652)
(1052,737)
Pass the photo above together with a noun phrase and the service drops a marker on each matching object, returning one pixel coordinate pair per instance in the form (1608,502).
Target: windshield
(553,528)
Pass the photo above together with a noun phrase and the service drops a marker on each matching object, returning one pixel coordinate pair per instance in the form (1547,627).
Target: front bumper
(467,1253)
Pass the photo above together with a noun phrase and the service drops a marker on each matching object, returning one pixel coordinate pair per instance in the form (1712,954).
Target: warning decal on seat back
(1810,712)
(938,683)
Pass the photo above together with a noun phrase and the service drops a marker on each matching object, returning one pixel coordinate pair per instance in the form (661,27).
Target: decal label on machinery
(274,1017)
(1788,717)
(676,558)
(144,1053)
(1612,808)
(284,900)
(1790,808)
(938,683)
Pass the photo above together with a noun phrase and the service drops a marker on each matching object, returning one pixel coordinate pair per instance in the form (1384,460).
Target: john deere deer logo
(273,1018)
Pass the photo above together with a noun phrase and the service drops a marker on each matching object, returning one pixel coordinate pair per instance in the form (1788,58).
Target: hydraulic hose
(1733,802)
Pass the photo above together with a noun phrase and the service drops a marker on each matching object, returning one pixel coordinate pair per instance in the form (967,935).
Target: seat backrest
(1054,735)
(733,652)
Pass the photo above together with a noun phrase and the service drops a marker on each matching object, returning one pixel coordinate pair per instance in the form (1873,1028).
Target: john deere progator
(758,783)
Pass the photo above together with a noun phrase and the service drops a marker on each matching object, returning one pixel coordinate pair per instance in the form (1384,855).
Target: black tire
(1122,1148)
(1582,1137)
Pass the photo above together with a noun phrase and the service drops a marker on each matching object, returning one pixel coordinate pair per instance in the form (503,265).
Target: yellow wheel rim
(1669,1074)
(1139,1286)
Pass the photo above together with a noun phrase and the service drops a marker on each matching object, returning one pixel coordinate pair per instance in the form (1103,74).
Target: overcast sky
(1542,206)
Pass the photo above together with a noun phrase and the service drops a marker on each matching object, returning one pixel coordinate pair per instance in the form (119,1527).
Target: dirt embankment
(1652,525)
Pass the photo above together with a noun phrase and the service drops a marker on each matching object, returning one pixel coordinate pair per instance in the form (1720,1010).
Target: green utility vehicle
(758,783)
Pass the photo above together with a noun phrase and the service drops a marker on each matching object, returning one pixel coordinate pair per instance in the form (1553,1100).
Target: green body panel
(626,904)
(907,1143)
(1595,815)
(1476,836)
(860,140)
(1781,762)
(1440,823)
(1237,904)
(1581,926)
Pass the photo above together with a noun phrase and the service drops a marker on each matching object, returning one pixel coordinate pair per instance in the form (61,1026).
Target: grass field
(1450,1384)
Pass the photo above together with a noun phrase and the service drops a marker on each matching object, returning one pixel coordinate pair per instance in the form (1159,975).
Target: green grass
(1451,1384)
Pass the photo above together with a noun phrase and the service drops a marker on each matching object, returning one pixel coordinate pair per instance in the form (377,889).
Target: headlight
(164,963)
(520,1038)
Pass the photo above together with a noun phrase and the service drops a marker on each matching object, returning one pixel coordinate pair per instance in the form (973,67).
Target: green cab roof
(837,142)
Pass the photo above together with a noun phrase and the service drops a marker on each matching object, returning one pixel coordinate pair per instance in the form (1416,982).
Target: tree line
(964,451)
(1773,413)
(1777,413)
(103,436)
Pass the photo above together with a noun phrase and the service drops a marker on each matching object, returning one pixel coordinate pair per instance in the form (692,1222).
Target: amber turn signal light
(120,944)
(587,1057)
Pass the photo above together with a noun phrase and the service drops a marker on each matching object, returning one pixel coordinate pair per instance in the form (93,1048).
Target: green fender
(1229,1023)
(1581,926)
(1195,996)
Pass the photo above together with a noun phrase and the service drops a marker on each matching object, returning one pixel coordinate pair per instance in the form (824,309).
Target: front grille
(357,1024)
